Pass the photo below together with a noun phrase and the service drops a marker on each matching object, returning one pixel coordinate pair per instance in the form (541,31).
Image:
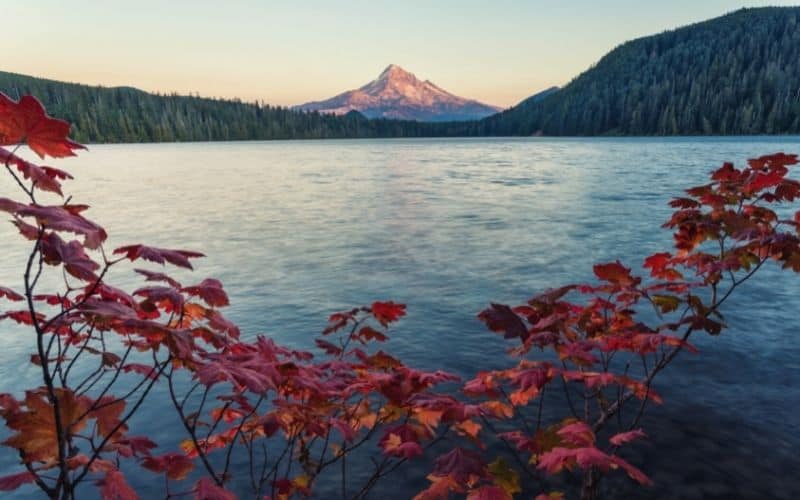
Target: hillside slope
(736,74)
(399,94)
(125,114)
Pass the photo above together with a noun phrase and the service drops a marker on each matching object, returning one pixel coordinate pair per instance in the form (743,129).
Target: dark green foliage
(737,74)
(124,114)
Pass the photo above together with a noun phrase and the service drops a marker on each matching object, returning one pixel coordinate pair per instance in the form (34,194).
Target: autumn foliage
(293,416)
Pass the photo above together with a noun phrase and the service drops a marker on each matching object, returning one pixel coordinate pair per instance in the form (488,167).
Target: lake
(299,229)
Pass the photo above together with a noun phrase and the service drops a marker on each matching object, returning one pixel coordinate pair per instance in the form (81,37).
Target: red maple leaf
(387,312)
(164,296)
(176,465)
(626,437)
(489,492)
(727,173)
(14,481)
(26,121)
(401,441)
(152,276)
(633,472)
(114,487)
(178,258)
(45,178)
(22,317)
(134,446)
(10,294)
(367,333)
(66,218)
(210,290)
(661,266)
(206,489)
(461,465)
(76,262)
(501,318)
(577,434)
(616,273)
(558,458)
(12,207)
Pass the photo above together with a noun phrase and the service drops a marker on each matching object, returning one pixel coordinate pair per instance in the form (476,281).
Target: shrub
(597,348)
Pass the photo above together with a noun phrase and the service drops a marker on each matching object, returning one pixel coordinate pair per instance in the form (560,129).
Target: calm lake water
(297,230)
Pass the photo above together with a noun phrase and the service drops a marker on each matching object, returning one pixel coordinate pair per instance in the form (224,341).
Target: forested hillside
(736,74)
(124,114)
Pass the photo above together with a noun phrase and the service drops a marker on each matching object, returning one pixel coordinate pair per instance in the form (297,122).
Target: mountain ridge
(125,114)
(737,74)
(399,94)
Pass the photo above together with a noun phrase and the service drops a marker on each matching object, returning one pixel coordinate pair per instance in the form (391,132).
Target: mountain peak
(394,70)
(399,94)
(394,75)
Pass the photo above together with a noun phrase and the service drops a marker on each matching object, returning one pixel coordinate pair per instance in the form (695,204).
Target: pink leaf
(626,437)
(387,312)
(206,489)
(114,487)
(210,290)
(14,481)
(633,472)
(66,218)
(460,464)
(501,318)
(10,294)
(489,492)
(577,434)
(178,258)
(151,276)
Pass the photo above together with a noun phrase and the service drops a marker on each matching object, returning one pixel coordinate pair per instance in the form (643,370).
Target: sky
(290,52)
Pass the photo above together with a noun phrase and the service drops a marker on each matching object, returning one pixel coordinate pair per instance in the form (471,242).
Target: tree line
(738,74)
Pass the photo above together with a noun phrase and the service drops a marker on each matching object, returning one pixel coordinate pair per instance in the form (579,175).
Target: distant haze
(283,53)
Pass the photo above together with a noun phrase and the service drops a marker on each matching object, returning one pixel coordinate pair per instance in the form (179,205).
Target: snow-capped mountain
(398,94)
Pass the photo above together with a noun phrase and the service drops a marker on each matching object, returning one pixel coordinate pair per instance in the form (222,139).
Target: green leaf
(504,476)
(666,303)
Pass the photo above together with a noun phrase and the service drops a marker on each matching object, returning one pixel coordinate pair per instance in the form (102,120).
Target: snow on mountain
(399,94)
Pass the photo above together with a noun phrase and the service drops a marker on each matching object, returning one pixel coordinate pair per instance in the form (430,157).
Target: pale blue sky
(289,52)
